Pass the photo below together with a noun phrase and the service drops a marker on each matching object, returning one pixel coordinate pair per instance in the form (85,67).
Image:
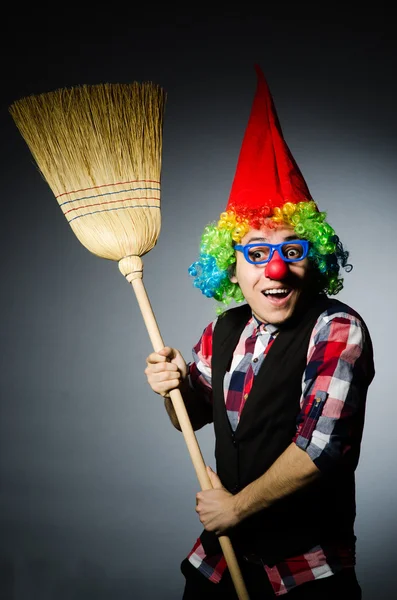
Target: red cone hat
(266,173)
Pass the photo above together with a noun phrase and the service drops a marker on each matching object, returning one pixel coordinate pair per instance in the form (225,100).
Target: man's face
(272,298)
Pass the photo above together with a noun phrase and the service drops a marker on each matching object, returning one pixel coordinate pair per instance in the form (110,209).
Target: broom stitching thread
(109,209)
(95,187)
(110,202)
(110,194)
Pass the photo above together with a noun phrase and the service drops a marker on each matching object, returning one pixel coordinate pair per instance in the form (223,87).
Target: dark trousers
(341,585)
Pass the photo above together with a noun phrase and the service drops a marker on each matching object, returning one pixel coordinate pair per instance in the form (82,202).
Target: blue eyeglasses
(259,254)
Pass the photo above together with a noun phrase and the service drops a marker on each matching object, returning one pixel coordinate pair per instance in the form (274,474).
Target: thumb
(216,482)
(168,352)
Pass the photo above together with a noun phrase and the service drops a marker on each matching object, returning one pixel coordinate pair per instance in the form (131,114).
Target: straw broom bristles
(99,149)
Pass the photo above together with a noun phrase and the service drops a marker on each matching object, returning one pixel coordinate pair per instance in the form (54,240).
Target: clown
(269,192)
(283,378)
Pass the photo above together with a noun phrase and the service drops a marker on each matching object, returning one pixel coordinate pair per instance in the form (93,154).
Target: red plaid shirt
(336,342)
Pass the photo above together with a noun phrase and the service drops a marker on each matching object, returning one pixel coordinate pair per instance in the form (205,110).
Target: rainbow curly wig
(212,271)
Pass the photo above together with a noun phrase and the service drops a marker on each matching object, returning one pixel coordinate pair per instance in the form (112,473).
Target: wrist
(239,507)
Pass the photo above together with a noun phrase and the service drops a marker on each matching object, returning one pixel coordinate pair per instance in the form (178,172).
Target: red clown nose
(276,268)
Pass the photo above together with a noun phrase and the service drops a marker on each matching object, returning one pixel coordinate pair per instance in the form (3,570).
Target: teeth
(276,292)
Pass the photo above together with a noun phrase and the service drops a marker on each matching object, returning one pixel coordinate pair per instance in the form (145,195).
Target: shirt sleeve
(200,371)
(334,387)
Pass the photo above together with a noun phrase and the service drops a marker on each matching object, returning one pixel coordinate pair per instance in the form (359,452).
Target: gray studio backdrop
(97,489)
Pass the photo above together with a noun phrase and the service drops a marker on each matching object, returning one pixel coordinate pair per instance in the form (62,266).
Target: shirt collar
(260,327)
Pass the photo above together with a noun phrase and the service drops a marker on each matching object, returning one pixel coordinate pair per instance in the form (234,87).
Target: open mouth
(277,296)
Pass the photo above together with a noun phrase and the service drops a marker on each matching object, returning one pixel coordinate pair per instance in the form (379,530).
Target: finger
(165,376)
(165,388)
(156,357)
(216,482)
(168,352)
(161,367)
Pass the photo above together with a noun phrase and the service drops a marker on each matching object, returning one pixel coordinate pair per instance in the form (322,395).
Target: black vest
(322,513)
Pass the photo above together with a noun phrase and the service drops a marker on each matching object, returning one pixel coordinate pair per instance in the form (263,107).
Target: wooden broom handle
(188,433)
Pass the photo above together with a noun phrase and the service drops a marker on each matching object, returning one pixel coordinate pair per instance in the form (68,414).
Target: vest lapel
(226,337)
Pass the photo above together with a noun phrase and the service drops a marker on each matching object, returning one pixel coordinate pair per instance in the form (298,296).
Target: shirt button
(255,360)
(245,396)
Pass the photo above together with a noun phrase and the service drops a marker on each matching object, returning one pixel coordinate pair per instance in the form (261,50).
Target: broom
(99,149)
